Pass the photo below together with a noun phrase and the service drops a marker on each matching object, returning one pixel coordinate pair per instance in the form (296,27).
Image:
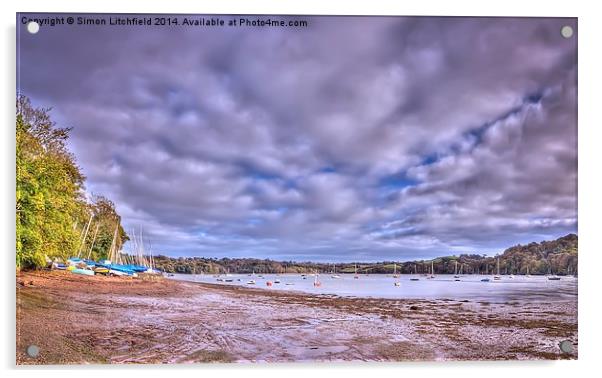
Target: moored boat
(497,276)
(86,272)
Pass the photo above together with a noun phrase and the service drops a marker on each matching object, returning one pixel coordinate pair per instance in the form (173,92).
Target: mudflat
(95,320)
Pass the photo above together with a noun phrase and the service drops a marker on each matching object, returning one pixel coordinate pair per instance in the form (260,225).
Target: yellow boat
(101,270)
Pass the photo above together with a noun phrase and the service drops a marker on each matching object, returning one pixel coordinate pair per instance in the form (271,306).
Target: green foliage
(51,210)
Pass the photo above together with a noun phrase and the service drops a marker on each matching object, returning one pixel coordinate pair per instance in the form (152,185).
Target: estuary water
(469,287)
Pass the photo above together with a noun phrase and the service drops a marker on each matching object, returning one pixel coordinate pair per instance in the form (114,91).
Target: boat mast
(93,241)
(83,241)
(113,245)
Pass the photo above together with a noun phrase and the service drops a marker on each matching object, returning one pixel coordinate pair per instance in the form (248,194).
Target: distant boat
(397,283)
(317,282)
(334,271)
(485,279)
(552,277)
(277,281)
(423,269)
(251,282)
(497,276)
(355,276)
(228,280)
(415,273)
(432,271)
(456,271)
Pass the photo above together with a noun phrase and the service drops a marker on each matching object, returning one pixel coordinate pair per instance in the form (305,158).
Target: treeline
(557,257)
(54,220)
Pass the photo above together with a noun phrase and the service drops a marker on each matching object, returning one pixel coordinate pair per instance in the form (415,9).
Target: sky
(350,139)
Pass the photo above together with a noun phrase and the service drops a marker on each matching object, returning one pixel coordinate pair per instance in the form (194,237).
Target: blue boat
(118,268)
(136,268)
(90,263)
(74,260)
(85,272)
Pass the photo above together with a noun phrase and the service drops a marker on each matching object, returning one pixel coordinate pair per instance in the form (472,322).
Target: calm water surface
(383,286)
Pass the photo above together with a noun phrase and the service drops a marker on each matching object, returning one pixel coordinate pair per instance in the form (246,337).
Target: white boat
(334,271)
(432,271)
(395,275)
(497,276)
(416,274)
(552,277)
(251,282)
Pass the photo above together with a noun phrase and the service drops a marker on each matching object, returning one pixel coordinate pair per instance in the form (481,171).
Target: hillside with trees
(54,219)
(558,257)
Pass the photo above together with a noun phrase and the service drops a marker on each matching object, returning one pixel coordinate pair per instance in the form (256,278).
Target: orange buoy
(269,283)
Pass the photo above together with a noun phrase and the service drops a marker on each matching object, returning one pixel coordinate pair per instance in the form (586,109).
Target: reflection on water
(408,286)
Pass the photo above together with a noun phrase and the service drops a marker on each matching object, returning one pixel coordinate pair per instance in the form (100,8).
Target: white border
(590,212)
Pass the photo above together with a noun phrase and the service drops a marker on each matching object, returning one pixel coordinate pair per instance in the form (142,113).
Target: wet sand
(80,319)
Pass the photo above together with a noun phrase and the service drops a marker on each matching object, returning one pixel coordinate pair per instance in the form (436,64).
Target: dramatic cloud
(354,138)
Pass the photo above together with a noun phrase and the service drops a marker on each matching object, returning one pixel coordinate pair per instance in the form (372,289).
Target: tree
(102,229)
(51,208)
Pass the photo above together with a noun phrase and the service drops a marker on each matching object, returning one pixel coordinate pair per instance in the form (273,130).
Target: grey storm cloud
(354,138)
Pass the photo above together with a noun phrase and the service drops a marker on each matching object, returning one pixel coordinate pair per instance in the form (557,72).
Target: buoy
(268,283)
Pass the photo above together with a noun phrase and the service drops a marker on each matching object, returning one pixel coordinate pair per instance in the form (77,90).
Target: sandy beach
(91,320)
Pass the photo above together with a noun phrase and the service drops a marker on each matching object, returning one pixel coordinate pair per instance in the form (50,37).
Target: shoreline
(75,319)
